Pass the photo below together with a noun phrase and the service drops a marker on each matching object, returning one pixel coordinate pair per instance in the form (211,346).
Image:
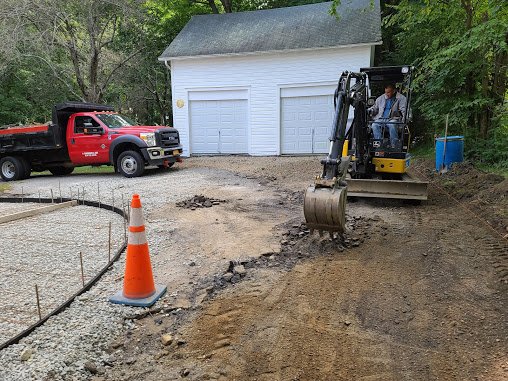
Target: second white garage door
(218,126)
(306,123)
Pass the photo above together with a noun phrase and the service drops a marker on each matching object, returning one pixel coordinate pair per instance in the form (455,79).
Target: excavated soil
(408,293)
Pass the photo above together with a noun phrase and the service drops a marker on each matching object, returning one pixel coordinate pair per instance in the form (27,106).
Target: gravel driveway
(44,250)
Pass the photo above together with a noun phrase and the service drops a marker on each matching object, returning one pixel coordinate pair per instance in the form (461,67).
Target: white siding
(264,76)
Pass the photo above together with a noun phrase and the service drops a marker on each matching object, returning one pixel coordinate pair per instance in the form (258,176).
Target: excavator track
(325,208)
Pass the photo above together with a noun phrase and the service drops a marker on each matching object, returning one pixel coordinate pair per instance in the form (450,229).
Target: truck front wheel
(131,164)
(11,168)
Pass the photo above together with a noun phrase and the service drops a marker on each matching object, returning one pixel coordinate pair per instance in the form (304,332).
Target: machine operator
(390,107)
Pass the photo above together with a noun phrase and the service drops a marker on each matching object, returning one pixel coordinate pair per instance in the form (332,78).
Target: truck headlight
(148,138)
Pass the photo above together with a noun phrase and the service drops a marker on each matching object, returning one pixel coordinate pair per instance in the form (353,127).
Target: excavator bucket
(325,208)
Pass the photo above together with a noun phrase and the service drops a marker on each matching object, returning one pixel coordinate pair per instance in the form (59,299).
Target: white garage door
(218,126)
(306,124)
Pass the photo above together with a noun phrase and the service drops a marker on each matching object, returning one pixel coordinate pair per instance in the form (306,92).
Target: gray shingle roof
(301,27)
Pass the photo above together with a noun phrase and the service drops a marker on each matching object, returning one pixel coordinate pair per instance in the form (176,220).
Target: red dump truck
(86,134)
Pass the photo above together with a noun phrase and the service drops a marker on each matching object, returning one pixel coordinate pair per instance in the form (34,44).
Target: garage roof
(292,28)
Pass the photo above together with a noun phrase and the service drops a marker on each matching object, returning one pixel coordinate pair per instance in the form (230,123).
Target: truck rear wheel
(27,168)
(11,168)
(131,164)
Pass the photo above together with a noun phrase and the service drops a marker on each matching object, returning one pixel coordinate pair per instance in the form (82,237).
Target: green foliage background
(459,49)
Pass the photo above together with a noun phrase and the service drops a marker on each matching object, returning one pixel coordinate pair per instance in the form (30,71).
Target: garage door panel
(304,101)
(226,118)
(321,131)
(305,146)
(324,100)
(290,131)
(218,126)
(208,146)
(321,147)
(309,131)
(305,131)
(289,116)
(322,115)
(226,132)
(305,116)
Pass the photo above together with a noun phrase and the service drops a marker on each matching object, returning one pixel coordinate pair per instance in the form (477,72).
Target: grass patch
(5,187)
(87,170)
(426,151)
(448,183)
(91,169)
(498,170)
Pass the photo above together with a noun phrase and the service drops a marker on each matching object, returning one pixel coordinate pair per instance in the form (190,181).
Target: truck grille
(168,138)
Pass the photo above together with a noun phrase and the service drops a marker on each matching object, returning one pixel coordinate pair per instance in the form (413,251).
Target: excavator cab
(390,159)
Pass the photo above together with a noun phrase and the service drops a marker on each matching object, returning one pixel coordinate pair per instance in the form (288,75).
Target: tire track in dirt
(498,250)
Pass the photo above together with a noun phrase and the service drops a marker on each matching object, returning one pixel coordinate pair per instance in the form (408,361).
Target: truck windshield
(115,120)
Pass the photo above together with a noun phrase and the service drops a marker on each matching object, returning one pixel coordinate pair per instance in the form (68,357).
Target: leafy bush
(493,151)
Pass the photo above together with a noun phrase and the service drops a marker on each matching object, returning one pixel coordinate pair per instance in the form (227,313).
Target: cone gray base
(118,298)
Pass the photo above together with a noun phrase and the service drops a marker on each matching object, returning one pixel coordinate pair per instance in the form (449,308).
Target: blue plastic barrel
(454,151)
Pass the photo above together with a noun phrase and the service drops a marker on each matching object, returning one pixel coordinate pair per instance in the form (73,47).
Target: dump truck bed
(30,138)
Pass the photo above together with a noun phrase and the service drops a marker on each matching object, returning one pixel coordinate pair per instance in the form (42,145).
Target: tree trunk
(212,5)
(470,78)
(228,6)
(485,113)
(499,75)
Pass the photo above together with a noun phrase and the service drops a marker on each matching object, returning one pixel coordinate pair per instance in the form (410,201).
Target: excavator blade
(408,188)
(325,208)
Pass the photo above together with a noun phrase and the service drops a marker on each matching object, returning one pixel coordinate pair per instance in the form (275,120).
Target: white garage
(262,82)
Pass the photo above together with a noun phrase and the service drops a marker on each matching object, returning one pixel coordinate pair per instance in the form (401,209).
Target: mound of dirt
(484,194)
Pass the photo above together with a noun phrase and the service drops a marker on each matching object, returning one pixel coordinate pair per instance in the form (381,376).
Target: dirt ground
(409,293)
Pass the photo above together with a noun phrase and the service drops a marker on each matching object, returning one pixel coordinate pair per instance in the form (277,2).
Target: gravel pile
(80,335)
(199,201)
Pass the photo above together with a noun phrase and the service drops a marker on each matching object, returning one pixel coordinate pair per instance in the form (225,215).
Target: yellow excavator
(357,163)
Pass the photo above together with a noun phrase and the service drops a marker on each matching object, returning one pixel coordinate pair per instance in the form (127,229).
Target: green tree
(144,85)
(75,39)
(460,49)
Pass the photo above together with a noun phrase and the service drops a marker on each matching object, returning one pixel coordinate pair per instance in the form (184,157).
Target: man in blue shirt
(389,107)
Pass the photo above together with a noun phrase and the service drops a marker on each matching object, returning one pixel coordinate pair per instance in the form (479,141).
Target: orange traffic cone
(138,286)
